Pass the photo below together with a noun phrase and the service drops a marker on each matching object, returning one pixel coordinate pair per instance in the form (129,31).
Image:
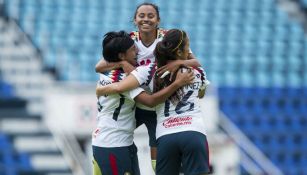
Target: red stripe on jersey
(114,168)
(201,71)
(151,73)
(115,75)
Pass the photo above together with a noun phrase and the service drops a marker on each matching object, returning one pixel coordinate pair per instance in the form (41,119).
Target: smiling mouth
(145,25)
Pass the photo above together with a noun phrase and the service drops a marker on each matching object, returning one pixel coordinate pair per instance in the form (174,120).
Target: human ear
(121,56)
(179,52)
(158,23)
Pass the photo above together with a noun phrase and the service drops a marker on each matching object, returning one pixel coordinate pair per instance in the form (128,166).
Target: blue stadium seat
(23,162)
(217,16)
(6,90)
(253,52)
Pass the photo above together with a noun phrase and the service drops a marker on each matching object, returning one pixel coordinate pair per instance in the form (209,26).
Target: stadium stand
(27,146)
(6,90)
(30,149)
(251,49)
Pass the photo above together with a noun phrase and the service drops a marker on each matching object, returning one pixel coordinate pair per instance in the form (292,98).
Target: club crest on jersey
(135,35)
(161,33)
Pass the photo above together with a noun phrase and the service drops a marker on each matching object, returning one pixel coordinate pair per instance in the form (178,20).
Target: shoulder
(194,69)
(201,74)
(114,75)
(147,66)
(200,70)
(145,73)
(151,67)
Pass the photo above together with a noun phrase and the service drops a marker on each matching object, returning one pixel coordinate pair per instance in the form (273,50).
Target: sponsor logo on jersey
(96,132)
(177,121)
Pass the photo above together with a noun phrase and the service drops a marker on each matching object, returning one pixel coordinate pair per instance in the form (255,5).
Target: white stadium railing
(252,159)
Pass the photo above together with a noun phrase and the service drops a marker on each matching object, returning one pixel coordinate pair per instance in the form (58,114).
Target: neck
(148,38)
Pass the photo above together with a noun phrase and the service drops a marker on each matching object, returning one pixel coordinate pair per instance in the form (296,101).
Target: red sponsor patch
(96,132)
(177,121)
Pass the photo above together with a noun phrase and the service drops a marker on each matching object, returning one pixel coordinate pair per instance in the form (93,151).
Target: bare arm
(103,66)
(162,95)
(129,83)
(192,61)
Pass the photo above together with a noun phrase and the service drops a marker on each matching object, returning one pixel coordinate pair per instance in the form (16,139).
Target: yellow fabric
(153,164)
(96,169)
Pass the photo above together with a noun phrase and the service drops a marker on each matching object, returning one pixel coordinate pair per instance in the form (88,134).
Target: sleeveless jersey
(116,121)
(184,115)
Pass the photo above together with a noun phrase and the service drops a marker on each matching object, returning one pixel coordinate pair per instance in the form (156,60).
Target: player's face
(146,19)
(130,55)
(186,50)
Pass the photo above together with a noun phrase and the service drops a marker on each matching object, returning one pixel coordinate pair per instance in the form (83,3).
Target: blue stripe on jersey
(151,73)
(115,75)
(202,74)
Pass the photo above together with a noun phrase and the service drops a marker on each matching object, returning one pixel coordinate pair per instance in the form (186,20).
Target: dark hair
(115,43)
(148,3)
(165,50)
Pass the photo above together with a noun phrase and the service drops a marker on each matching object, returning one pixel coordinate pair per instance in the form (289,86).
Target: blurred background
(254,53)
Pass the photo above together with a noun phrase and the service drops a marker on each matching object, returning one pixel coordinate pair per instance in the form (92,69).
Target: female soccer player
(147,19)
(113,148)
(180,128)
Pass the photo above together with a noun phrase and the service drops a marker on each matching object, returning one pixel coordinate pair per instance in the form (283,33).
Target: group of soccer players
(150,77)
